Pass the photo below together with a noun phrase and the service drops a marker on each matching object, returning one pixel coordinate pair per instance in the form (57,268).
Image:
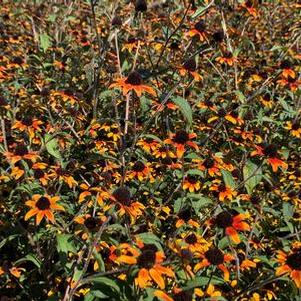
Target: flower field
(150,150)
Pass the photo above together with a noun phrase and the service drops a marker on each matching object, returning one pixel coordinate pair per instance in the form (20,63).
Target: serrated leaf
(65,243)
(252,175)
(184,107)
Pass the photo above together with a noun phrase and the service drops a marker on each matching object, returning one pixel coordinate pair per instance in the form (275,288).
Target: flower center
(224,219)
(294,260)
(147,258)
(134,78)
(27,121)
(190,65)
(228,55)
(208,163)
(183,296)
(222,188)
(185,214)
(218,36)
(43,203)
(21,150)
(286,64)
(38,173)
(295,125)
(191,239)
(138,166)
(91,223)
(122,195)
(270,150)
(192,179)
(140,5)
(181,137)
(215,256)
(200,26)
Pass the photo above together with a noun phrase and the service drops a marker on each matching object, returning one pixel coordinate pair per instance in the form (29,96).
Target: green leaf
(150,238)
(198,201)
(29,257)
(65,243)
(199,11)
(252,175)
(51,144)
(45,41)
(228,178)
(184,107)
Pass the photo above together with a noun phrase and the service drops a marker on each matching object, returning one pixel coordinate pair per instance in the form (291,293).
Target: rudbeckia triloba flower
(214,256)
(231,223)
(190,67)
(290,264)
(133,83)
(227,58)
(180,139)
(224,191)
(43,206)
(270,151)
(294,127)
(122,196)
(150,267)
(191,183)
(198,30)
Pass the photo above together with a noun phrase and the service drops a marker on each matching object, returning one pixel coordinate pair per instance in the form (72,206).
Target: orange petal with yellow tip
(143,278)
(162,295)
(296,276)
(39,217)
(49,215)
(225,270)
(126,259)
(233,234)
(31,213)
(275,163)
(156,276)
(282,270)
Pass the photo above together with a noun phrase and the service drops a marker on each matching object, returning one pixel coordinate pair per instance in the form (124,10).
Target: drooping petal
(230,231)
(156,276)
(39,217)
(296,276)
(143,278)
(282,270)
(31,213)
(162,295)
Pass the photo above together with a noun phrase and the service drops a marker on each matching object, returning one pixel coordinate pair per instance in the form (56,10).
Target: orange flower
(180,139)
(190,67)
(133,83)
(249,6)
(216,257)
(140,171)
(224,192)
(149,262)
(290,263)
(122,196)
(294,128)
(198,30)
(227,59)
(270,151)
(231,223)
(287,69)
(42,206)
(20,153)
(29,124)
(211,165)
(191,183)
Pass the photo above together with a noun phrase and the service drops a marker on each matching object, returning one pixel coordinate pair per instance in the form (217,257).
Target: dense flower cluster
(150,150)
